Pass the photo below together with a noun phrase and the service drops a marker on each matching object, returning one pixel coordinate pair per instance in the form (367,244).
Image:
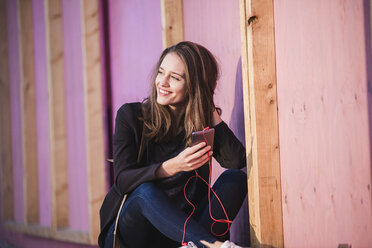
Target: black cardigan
(227,150)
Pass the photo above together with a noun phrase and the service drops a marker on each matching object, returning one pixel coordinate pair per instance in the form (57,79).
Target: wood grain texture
(93,114)
(57,117)
(42,113)
(172,22)
(28,100)
(260,100)
(7,198)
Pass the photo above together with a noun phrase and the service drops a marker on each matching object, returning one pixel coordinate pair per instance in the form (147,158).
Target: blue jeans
(150,219)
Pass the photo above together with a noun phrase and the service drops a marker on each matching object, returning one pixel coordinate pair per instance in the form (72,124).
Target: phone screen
(198,137)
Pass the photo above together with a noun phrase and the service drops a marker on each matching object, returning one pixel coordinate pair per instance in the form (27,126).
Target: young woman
(153,159)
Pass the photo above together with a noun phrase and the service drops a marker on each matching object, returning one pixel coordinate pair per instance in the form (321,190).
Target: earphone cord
(227,220)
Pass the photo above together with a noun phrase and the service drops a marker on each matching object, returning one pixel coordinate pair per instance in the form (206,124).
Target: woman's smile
(164,92)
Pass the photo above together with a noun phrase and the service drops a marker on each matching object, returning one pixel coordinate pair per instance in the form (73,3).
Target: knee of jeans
(145,190)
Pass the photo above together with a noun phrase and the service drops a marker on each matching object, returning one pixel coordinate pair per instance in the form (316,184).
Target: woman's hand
(189,159)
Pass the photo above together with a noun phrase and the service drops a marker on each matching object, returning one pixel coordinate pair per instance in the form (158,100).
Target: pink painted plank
(75,115)
(135,45)
(42,113)
(324,128)
(16,115)
(204,24)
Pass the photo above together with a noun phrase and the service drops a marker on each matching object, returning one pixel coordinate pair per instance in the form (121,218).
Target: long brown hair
(201,75)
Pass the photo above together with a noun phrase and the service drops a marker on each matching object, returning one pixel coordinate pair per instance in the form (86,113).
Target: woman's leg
(145,235)
(231,188)
(148,208)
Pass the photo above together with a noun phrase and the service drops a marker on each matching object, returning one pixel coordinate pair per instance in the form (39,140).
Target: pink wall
(135,46)
(205,24)
(75,115)
(42,113)
(325,150)
(16,114)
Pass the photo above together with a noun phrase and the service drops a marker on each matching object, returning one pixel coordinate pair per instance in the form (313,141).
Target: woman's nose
(164,81)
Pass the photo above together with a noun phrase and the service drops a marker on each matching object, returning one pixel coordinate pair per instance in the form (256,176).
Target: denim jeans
(150,219)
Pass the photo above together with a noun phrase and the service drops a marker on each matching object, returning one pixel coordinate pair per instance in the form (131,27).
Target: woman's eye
(175,78)
(160,72)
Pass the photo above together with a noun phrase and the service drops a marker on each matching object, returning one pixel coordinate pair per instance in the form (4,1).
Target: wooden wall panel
(171,22)
(259,77)
(7,211)
(58,147)
(42,113)
(94,114)
(56,106)
(28,112)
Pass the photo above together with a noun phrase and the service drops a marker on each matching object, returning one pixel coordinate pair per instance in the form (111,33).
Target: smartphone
(198,137)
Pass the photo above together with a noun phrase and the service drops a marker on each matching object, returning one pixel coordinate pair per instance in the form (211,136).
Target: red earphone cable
(227,220)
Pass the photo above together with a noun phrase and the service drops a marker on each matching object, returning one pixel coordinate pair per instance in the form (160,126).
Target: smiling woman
(165,179)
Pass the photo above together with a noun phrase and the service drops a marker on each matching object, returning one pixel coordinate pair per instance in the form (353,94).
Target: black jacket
(227,150)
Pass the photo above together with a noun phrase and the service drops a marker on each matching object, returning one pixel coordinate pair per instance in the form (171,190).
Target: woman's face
(170,82)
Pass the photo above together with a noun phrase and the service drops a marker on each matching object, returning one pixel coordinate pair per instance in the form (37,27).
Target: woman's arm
(227,150)
(127,138)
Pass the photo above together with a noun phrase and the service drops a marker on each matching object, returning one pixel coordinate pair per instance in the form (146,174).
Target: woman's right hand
(189,159)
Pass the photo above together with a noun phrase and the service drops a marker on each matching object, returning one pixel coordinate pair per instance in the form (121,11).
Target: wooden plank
(58,148)
(253,191)
(42,112)
(260,101)
(28,112)
(94,114)
(7,197)
(172,22)
(65,234)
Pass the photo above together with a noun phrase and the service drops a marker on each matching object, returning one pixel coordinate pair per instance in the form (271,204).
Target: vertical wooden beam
(94,113)
(28,112)
(171,22)
(7,198)
(58,148)
(261,116)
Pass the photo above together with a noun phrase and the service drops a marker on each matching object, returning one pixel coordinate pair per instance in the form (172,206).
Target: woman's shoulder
(131,107)
(132,110)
